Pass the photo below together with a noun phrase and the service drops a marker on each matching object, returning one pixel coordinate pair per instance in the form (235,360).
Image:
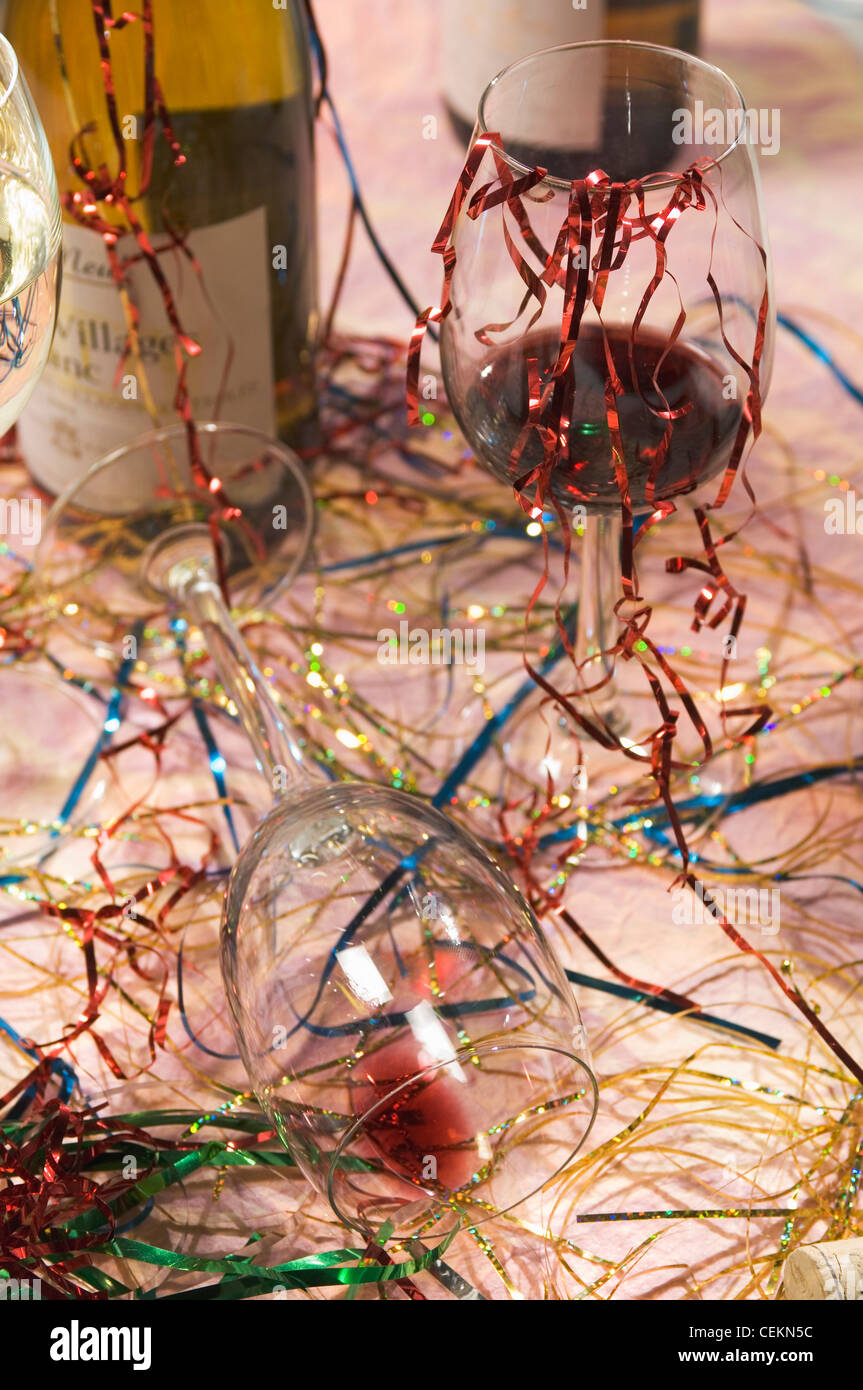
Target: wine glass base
(142,519)
(181,552)
(607,790)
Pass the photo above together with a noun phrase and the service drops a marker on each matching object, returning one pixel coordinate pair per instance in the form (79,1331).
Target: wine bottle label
(479,40)
(91,399)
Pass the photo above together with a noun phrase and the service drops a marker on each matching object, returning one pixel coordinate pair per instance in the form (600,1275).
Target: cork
(831,1270)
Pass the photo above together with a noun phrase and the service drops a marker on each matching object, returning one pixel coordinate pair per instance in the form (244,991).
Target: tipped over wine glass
(402,1018)
(653,346)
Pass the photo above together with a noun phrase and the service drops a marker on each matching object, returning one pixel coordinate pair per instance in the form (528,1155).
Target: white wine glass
(30,239)
(36,781)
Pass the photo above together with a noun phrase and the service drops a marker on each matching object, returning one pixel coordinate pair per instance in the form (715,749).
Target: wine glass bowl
(30,237)
(614,107)
(401,1017)
(493,414)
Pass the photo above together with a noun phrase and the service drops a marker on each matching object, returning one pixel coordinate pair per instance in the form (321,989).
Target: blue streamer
(181,1005)
(667,1007)
(62,1070)
(112,721)
(822,354)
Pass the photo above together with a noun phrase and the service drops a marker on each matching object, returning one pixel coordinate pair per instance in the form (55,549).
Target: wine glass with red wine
(655,346)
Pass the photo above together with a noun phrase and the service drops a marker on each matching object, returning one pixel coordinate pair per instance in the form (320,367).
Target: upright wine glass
(653,347)
(401,1016)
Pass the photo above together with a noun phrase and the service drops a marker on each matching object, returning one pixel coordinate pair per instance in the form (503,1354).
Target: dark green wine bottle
(236,81)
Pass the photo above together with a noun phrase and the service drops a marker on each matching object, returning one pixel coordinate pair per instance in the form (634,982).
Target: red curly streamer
(442,245)
(43,1197)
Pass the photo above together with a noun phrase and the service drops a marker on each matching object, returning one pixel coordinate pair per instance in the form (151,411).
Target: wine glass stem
(599,591)
(277,755)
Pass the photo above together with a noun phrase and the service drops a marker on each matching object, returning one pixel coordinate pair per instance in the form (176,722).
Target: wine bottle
(236,84)
(479,40)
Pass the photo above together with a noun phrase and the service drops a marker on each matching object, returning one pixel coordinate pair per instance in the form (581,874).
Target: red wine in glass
(494,409)
(425,1117)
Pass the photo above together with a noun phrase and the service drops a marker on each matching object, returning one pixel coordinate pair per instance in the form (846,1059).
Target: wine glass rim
(649,182)
(6,47)
(483,1047)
